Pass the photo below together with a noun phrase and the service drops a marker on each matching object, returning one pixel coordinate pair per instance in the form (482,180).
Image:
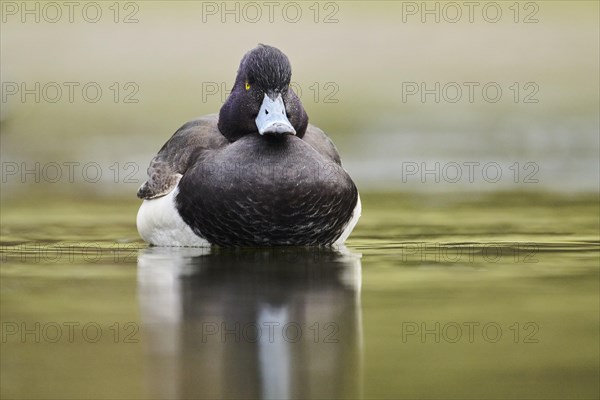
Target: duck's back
(267,191)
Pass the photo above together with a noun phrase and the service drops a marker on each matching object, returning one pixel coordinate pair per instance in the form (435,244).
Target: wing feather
(179,153)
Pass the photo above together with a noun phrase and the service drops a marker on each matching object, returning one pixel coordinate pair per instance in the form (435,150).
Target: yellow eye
(247,86)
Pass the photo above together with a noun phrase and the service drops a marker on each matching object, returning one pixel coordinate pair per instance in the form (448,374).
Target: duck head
(261,101)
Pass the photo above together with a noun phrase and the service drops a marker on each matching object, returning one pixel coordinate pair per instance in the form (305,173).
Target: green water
(436,296)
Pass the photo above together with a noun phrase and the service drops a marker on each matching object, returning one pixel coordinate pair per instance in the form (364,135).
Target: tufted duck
(258,174)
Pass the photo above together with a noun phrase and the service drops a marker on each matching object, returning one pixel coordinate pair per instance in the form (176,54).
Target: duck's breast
(267,191)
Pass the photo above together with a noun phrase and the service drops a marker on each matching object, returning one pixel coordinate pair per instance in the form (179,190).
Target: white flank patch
(353,221)
(159,224)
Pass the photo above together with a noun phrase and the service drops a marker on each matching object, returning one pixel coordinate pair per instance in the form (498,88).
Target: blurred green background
(354,67)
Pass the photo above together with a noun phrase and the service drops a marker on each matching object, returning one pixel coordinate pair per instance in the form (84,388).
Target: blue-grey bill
(272,118)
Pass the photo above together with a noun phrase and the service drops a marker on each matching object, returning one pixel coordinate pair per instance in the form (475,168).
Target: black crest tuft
(267,67)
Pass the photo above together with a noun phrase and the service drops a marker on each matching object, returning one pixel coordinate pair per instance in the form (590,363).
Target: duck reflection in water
(251,323)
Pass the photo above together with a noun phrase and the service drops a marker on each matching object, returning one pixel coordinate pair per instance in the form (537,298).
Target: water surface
(437,296)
